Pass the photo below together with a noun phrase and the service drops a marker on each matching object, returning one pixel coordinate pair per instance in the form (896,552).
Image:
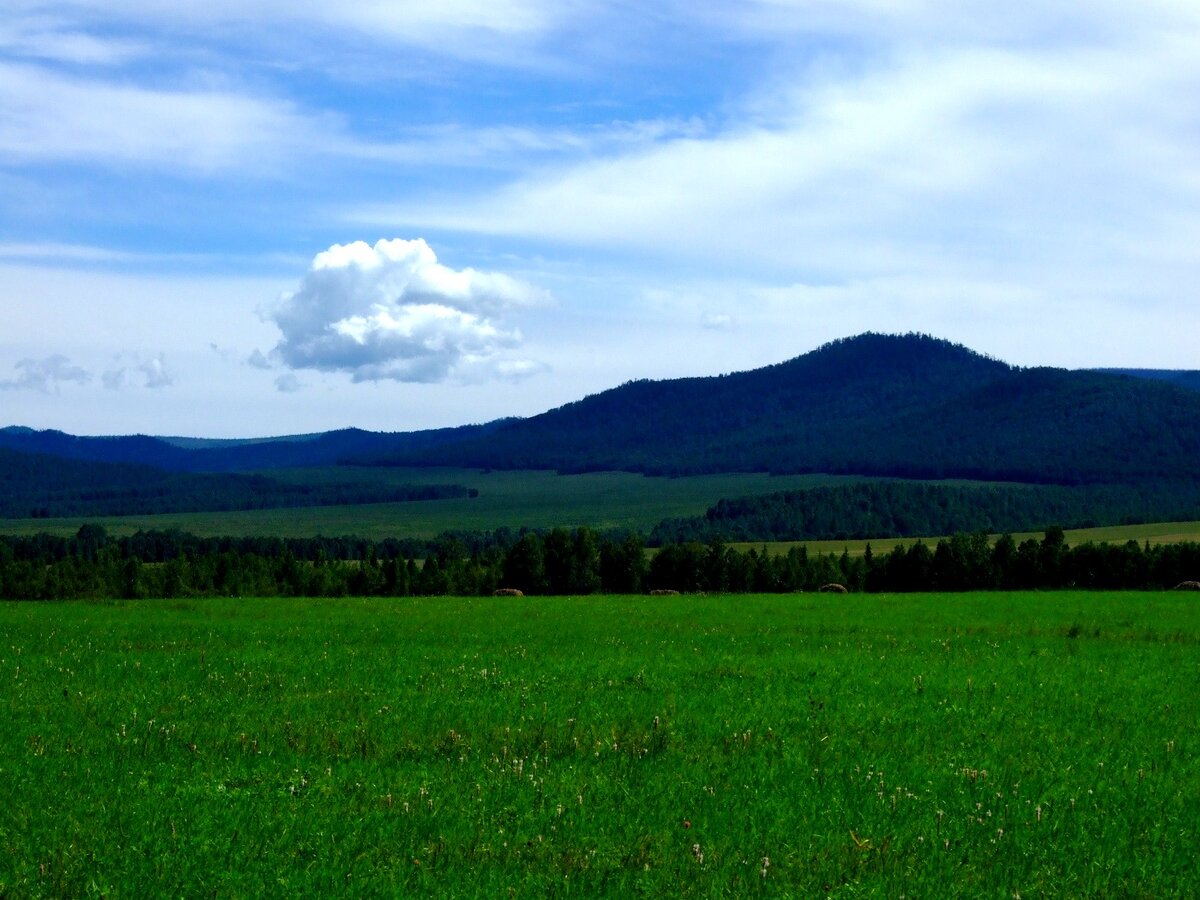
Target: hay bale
(507,592)
(664,592)
(834,588)
(1188,586)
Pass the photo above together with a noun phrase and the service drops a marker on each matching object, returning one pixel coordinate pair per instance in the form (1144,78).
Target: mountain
(199,455)
(905,406)
(1184,378)
(908,406)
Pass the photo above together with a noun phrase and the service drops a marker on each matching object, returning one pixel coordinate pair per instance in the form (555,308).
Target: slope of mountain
(906,406)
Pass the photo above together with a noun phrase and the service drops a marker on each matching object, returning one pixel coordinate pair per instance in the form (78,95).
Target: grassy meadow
(538,499)
(978,745)
(1153,532)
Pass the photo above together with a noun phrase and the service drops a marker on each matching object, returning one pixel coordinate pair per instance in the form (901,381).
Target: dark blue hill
(325,449)
(905,406)
(888,405)
(1184,378)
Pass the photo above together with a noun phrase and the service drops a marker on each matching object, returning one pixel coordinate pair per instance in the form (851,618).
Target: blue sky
(239,218)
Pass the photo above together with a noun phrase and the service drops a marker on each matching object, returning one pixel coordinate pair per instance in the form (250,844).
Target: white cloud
(491,30)
(46,116)
(46,374)
(62,253)
(45,39)
(393,312)
(944,158)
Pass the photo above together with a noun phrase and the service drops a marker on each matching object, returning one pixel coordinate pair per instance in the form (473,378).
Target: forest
(39,486)
(880,509)
(92,565)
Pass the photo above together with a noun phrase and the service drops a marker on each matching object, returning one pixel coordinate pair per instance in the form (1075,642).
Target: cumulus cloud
(45,374)
(393,312)
(288,384)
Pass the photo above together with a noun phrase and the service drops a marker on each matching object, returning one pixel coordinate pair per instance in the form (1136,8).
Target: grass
(534,498)
(978,745)
(538,499)
(1155,533)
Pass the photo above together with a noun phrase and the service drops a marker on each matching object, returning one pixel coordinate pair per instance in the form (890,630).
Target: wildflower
(766,864)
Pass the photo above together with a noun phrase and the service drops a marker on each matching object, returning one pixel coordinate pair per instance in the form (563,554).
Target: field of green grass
(538,499)
(981,745)
(1155,533)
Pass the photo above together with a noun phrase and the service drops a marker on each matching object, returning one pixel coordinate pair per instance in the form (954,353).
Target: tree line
(92,565)
(874,509)
(39,486)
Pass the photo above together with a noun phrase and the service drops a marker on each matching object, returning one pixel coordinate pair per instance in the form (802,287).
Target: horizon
(230,219)
(352,427)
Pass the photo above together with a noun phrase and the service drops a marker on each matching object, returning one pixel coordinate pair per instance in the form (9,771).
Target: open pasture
(538,499)
(804,745)
(1152,532)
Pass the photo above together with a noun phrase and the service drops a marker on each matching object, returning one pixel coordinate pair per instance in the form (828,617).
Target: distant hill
(905,406)
(200,455)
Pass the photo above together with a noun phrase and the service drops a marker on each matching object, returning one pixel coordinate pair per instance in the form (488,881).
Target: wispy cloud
(151,374)
(946,157)
(45,374)
(47,116)
(495,30)
(288,384)
(155,373)
(45,38)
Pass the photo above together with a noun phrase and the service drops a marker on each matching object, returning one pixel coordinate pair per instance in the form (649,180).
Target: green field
(981,745)
(1155,533)
(536,499)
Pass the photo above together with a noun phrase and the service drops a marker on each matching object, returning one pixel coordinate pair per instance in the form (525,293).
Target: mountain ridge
(908,406)
(890,405)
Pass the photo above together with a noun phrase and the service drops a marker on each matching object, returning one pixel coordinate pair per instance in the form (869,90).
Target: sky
(235,219)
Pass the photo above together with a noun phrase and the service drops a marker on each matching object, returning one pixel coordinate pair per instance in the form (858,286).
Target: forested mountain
(35,485)
(1184,378)
(904,406)
(192,455)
